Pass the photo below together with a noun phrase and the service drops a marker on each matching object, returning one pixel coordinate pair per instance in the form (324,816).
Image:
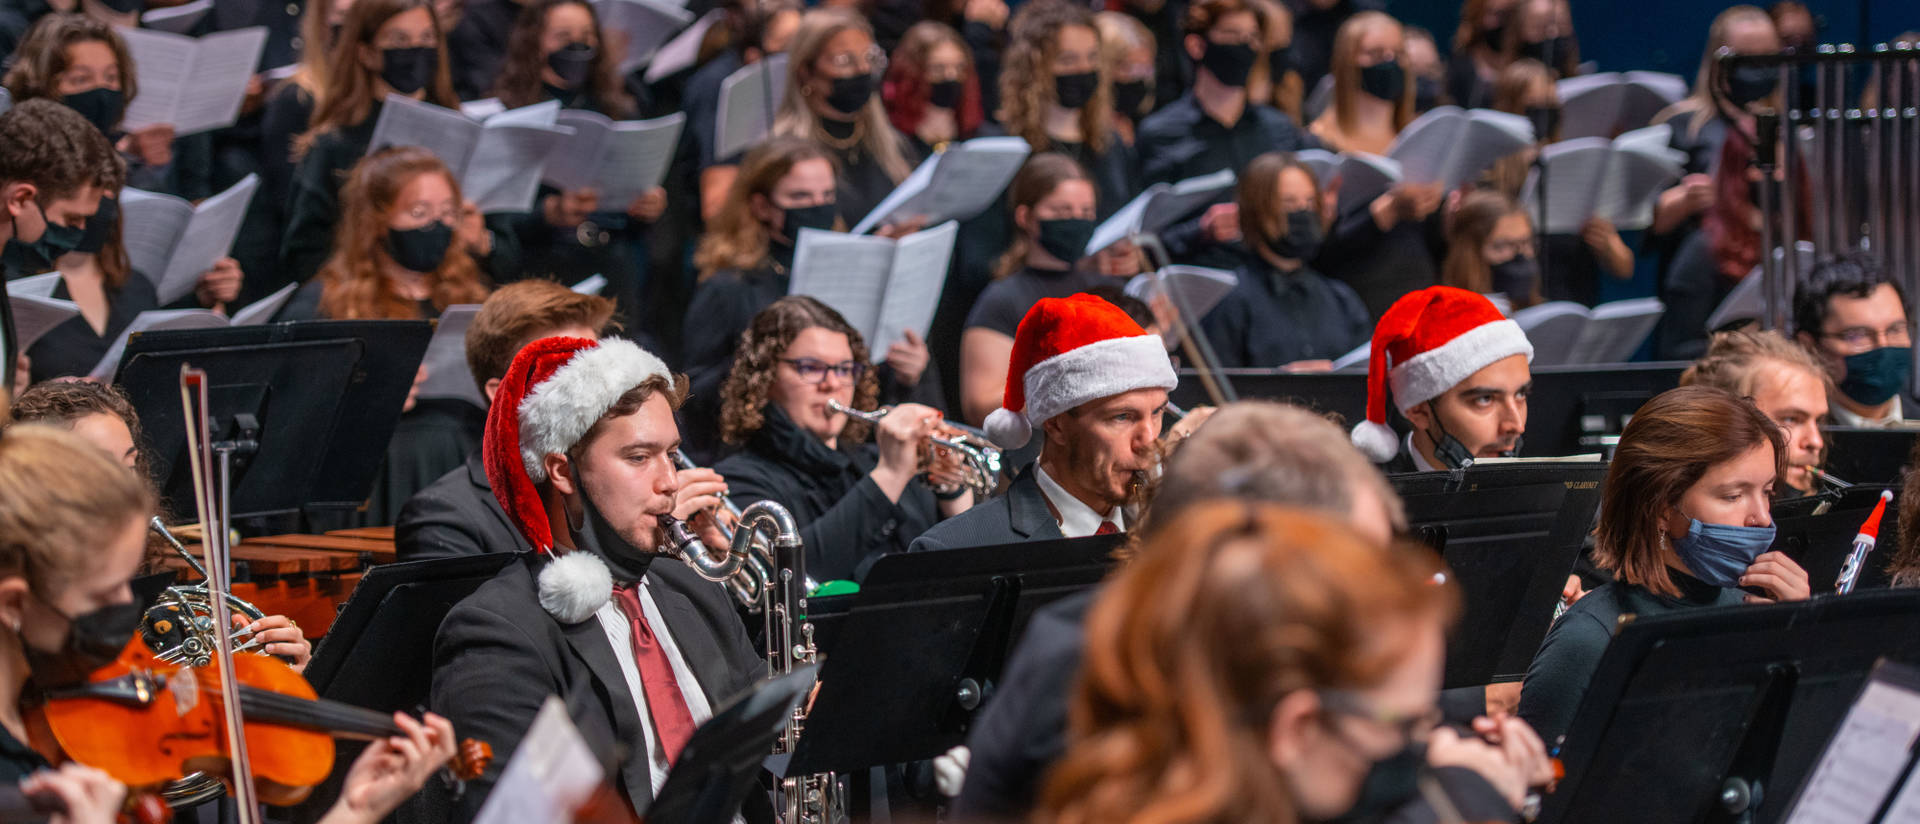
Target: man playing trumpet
(1093,384)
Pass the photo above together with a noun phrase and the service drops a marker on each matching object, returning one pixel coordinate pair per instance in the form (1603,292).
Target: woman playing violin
(73,525)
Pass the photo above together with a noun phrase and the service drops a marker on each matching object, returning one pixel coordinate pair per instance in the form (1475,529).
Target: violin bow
(212,504)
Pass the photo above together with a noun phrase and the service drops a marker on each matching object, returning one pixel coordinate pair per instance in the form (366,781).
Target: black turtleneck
(845,519)
(595,535)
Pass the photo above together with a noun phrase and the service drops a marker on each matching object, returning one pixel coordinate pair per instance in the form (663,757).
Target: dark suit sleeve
(1560,673)
(489,679)
(1023,729)
(431,525)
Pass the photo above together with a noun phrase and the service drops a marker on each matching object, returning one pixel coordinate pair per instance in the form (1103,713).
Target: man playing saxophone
(639,647)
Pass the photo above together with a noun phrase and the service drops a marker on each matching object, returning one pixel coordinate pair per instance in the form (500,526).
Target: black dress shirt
(1182,141)
(1273,318)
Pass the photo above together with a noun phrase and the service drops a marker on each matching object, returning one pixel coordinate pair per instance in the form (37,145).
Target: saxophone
(767,526)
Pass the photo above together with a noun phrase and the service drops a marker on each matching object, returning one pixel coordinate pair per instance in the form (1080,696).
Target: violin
(145,721)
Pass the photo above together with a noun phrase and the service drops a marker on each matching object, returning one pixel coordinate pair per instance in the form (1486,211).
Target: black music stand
(1868,456)
(1694,705)
(1817,533)
(924,644)
(379,654)
(1510,534)
(721,763)
(310,406)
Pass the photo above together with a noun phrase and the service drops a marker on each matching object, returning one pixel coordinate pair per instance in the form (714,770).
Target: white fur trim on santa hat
(574,586)
(1097,370)
(1429,374)
(1377,441)
(1006,428)
(558,412)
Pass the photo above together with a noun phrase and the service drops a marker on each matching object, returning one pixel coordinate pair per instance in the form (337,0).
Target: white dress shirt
(1846,418)
(620,635)
(1077,520)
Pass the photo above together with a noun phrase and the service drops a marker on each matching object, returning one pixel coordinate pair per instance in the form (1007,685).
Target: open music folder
(1616,179)
(883,287)
(957,184)
(498,161)
(174,242)
(1870,756)
(193,84)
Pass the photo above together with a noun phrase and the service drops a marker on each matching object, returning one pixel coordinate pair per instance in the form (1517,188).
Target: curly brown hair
(42,57)
(1026,79)
(520,82)
(743,400)
(62,403)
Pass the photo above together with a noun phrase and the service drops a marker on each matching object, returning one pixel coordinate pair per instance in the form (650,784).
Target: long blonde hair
(1345,67)
(1704,102)
(61,498)
(796,119)
(1026,76)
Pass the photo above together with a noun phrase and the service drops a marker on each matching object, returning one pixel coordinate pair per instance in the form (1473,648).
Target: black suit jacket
(455,516)
(498,655)
(1020,515)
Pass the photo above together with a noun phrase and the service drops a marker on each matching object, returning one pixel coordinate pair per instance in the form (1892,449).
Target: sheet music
(1596,105)
(1198,288)
(503,175)
(645,24)
(483,108)
(404,121)
(263,310)
(913,288)
(957,184)
(1160,206)
(179,19)
(1452,146)
(448,375)
(844,271)
(35,316)
(683,50)
(153,321)
(550,775)
(1906,806)
(150,226)
(40,286)
(748,100)
(636,158)
(1618,180)
(1364,177)
(1864,759)
(592,285)
(195,85)
(207,238)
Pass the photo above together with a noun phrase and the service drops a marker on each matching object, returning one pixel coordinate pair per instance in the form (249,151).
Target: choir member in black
(853,501)
(1852,316)
(1785,383)
(1315,27)
(1127,57)
(477,45)
(84,63)
(1543,30)
(1054,94)
(766,28)
(1706,229)
(557,51)
(1572,264)
(932,92)
(1281,313)
(833,73)
(1479,52)
(74,526)
(1383,248)
(385,47)
(1490,249)
(786,184)
(1685,518)
(1274,81)
(286,115)
(1053,210)
(1427,70)
(1214,126)
(458,515)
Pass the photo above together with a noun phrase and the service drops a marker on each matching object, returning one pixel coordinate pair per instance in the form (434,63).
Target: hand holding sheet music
(881,286)
(642,26)
(448,375)
(619,160)
(193,84)
(1160,206)
(173,242)
(498,161)
(957,184)
(1618,179)
(255,313)
(748,100)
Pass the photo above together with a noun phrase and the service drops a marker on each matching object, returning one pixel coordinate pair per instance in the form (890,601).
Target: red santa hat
(1068,351)
(1432,339)
(555,390)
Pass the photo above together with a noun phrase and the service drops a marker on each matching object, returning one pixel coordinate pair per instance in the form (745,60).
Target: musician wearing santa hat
(1460,373)
(1092,384)
(639,647)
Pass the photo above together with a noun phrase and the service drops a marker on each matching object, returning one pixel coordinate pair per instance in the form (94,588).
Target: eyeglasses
(448,215)
(1861,338)
(1509,248)
(875,62)
(815,371)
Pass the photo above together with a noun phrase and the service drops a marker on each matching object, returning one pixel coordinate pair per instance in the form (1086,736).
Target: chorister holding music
(1195,411)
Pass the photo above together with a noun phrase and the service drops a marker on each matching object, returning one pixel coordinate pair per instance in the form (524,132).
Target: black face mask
(1746,84)
(627,563)
(1127,97)
(1279,62)
(573,64)
(94,237)
(93,641)
(1516,277)
(1545,120)
(102,107)
(1385,80)
(944,94)
(409,70)
(1300,238)
(1072,91)
(1426,93)
(819,216)
(1390,783)
(1229,63)
(1493,37)
(850,94)
(1549,51)
(32,258)
(422,249)
(1066,238)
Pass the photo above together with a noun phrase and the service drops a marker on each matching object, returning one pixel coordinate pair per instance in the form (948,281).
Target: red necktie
(1106,528)
(665,703)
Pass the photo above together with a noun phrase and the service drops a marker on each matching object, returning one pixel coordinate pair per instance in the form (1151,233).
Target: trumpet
(979,458)
(749,579)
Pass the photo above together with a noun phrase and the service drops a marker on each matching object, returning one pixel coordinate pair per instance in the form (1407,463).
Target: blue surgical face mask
(1719,554)
(1876,375)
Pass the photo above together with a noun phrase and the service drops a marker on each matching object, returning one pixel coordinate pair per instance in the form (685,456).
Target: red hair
(906,87)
